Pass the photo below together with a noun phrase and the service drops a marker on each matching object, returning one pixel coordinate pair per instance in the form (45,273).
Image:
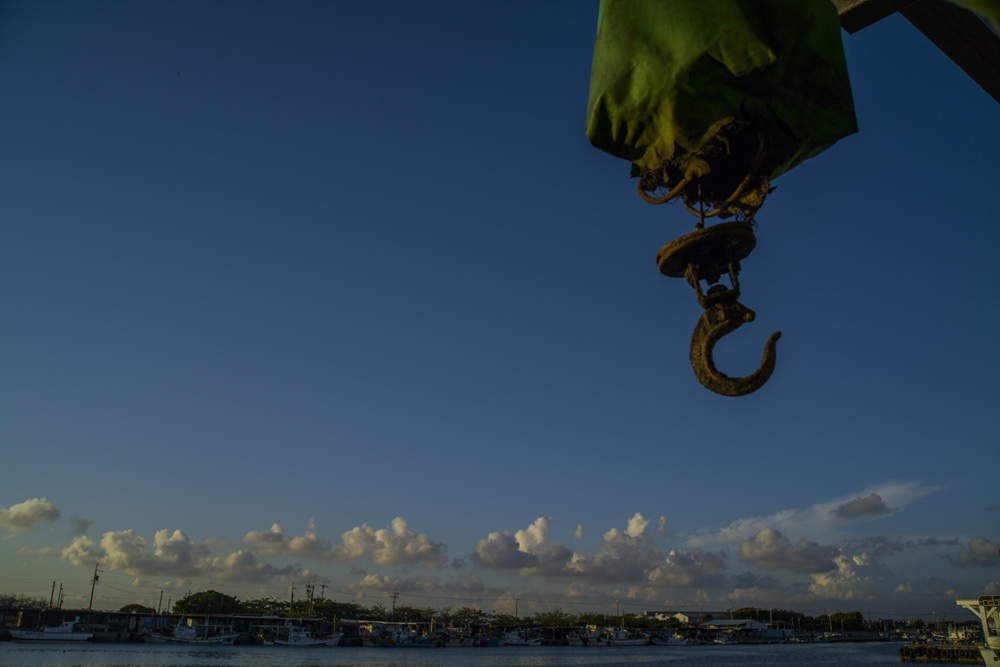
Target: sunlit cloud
(172,554)
(528,551)
(394,545)
(24,516)
(689,569)
(624,556)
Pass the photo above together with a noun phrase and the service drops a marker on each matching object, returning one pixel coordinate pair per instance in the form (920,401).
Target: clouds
(393,545)
(771,549)
(871,505)
(173,554)
(622,557)
(24,516)
(689,569)
(639,558)
(979,553)
(528,550)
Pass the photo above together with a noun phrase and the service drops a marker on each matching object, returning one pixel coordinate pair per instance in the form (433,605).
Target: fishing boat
(515,638)
(64,632)
(627,638)
(186,633)
(986,607)
(296,636)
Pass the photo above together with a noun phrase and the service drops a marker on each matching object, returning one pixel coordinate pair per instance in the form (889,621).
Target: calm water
(17,654)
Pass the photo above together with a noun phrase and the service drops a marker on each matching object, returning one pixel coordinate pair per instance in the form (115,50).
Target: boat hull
(35,636)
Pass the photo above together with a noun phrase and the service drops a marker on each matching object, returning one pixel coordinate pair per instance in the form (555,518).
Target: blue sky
(340,293)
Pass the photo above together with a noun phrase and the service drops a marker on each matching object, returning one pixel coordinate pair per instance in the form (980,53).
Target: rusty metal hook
(719,319)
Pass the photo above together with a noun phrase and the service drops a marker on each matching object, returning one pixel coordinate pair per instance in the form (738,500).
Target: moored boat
(64,632)
(192,634)
(302,637)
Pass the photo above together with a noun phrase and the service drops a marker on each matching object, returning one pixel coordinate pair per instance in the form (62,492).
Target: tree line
(214,602)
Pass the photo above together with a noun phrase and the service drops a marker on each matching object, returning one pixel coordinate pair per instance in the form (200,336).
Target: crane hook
(719,319)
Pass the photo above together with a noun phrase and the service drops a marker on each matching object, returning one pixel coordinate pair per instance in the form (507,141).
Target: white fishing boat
(183,633)
(987,609)
(516,638)
(627,638)
(295,636)
(64,632)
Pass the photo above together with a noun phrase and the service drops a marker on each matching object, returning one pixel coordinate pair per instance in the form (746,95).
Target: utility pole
(160,603)
(309,591)
(59,602)
(92,584)
(291,605)
(322,591)
(52,595)
(395,594)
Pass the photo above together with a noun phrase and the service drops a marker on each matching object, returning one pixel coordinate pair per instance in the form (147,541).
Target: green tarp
(670,77)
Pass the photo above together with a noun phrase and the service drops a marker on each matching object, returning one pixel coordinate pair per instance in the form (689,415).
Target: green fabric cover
(668,74)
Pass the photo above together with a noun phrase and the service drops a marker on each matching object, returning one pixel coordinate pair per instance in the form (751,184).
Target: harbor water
(20,654)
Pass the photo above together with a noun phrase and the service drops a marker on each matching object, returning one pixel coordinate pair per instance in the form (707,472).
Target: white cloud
(624,556)
(528,551)
(82,551)
(846,582)
(578,533)
(689,569)
(173,554)
(23,516)
(771,549)
(394,545)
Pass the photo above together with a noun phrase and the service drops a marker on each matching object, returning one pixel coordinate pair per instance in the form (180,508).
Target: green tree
(266,607)
(552,619)
(18,601)
(469,617)
(208,602)
(332,609)
(137,609)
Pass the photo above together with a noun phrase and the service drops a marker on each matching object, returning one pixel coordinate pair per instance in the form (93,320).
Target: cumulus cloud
(623,556)
(275,542)
(502,551)
(23,516)
(689,569)
(394,545)
(578,533)
(772,550)
(82,551)
(870,505)
(172,554)
(846,582)
(528,550)
(979,553)
(661,525)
